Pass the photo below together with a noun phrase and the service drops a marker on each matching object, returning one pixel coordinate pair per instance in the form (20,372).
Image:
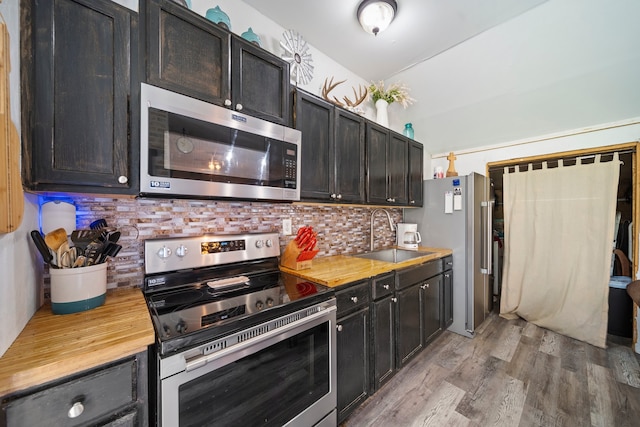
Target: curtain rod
(563,158)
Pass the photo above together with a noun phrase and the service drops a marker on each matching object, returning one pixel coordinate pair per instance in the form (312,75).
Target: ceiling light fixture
(376,15)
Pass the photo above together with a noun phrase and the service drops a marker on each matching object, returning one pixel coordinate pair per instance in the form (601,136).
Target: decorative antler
(359,97)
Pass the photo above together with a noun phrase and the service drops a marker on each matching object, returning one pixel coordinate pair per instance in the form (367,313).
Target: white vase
(382,117)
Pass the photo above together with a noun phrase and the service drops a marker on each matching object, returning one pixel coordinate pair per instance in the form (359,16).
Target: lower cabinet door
(447,299)
(431,307)
(383,341)
(409,315)
(353,361)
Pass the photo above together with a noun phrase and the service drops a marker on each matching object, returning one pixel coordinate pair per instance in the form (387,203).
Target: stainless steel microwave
(190,148)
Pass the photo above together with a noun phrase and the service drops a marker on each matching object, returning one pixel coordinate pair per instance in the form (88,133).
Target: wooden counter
(55,346)
(338,270)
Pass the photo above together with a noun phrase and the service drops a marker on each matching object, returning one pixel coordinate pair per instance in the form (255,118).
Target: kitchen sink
(392,255)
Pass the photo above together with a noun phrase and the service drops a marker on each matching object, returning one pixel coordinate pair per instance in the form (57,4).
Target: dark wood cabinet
(398,169)
(259,82)
(408,318)
(383,330)
(186,53)
(418,315)
(352,347)
(430,297)
(189,54)
(387,166)
(377,140)
(447,293)
(332,150)
(115,394)
(415,174)
(80,91)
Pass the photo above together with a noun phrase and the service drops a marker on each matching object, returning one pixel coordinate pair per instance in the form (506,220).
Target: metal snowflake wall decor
(297,54)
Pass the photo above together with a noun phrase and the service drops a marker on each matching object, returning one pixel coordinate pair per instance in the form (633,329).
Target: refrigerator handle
(487,223)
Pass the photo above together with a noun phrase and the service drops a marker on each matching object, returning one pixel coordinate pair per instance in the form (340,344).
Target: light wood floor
(512,373)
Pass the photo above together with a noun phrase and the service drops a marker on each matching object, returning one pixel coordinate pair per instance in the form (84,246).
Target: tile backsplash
(341,229)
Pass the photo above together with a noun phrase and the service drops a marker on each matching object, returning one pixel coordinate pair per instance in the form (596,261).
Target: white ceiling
(421,29)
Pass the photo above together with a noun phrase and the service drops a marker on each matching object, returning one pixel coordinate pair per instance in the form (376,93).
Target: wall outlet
(286,227)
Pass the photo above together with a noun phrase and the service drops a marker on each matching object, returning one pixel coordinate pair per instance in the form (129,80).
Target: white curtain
(559,225)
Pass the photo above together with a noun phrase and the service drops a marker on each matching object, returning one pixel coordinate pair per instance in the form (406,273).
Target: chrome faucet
(391,226)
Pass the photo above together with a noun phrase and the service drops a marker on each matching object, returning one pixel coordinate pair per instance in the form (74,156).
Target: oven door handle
(201,360)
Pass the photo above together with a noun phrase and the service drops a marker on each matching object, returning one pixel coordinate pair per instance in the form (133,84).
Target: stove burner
(305,288)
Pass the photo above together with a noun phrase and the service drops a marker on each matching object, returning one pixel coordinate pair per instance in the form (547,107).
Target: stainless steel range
(238,342)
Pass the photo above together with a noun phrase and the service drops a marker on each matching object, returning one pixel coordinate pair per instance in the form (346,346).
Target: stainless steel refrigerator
(457,214)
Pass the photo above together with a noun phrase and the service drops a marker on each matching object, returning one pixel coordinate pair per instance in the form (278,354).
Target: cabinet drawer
(94,396)
(353,297)
(412,275)
(382,285)
(447,263)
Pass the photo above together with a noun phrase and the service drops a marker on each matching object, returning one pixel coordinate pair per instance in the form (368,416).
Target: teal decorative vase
(251,36)
(408,130)
(217,16)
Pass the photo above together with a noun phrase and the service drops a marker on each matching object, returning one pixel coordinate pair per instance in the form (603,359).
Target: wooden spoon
(55,238)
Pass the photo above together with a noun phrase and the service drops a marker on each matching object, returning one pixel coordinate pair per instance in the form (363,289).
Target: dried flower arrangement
(395,93)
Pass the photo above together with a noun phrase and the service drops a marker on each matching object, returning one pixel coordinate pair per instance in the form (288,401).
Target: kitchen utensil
(55,238)
(113,236)
(64,256)
(98,224)
(80,261)
(110,249)
(93,251)
(42,248)
(82,238)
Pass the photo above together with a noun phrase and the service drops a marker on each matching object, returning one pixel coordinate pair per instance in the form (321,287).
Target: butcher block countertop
(53,346)
(337,270)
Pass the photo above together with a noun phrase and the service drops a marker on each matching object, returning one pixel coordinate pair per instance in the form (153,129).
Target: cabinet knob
(339,196)
(425,286)
(394,299)
(447,275)
(238,107)
(386,287)
(389,199)
(227,103)
(354,299)
(333,196)
(76,410)
(412,202)
(123,179)
(339,328)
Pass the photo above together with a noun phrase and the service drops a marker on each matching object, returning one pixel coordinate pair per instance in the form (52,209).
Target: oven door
(286,376)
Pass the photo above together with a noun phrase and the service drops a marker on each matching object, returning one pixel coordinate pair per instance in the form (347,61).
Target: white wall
(566,64)
(21,270)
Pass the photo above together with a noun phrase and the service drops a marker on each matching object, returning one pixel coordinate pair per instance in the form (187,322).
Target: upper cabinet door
(398,158)
(416,173)
(186,53)
(314,118)
(377,138)
(259,82)
(79,94)
(349,157)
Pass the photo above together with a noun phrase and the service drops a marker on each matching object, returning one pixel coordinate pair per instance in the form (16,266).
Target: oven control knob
(269,243)
(181,251)
(167,330)
(259,244)
(164,252)
(269,302)
(181,327)
(259,305)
